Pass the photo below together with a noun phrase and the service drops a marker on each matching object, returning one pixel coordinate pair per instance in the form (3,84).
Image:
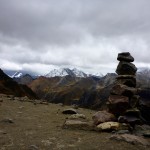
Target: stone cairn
(123,100)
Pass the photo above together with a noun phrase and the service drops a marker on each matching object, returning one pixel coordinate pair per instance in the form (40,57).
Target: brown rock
(103,116)
(124,90)
(118,104)
(125,56)
(125,68)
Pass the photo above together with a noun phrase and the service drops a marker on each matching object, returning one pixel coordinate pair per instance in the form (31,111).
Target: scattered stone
(20,107)
(126,68)
(45,103)
(125,57)
(60,104)
(113,126)
(7,121)
(75,106)
(2,132)
(108,126)
(129,138)
(78,124)
(77,116)
(70,111)
(103,116)
(33,147)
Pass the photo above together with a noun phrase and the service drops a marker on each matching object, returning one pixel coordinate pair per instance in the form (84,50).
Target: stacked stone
(123,99)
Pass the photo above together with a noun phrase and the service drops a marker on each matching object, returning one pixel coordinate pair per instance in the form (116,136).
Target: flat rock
(125,68)
(103,116)
(125,56)
(77,116)
(78,124)
(129,138)
(132,120)
(131,82)
(108,126)
(126,77)
(124,90)
(118,104)
(133,112)
(70,111)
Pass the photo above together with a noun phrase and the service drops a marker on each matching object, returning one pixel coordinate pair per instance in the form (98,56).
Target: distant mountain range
(70,86)
(53,73)
(66,71)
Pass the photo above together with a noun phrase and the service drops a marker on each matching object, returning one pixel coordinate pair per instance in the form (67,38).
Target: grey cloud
(80,33)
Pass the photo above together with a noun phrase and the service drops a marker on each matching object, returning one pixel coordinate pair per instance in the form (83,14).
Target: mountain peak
(66,71)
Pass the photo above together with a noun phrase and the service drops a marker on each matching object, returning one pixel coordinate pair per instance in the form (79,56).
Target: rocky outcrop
(10,87)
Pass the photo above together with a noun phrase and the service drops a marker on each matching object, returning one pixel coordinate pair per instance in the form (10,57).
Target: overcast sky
(39,35)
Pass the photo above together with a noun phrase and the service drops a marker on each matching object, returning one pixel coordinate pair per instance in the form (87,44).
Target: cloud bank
(40,35)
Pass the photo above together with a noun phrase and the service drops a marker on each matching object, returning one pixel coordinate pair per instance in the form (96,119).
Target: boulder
(125,56)
(125,68)
(103,116)
(70,111)
(108,126)
(124,90)
(118,104)
(129,138)
(78,124)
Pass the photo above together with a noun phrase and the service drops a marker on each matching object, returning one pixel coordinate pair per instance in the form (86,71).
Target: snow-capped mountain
(66,71)
(17,75)
(79,73)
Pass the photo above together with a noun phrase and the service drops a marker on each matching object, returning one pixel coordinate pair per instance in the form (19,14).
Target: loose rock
(78,124)
(103,116)
(130,139)
(70,111)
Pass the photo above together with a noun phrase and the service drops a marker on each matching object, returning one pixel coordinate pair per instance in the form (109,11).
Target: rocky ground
(33,126)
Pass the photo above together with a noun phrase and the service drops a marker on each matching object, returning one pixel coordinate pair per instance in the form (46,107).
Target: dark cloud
(80,33)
